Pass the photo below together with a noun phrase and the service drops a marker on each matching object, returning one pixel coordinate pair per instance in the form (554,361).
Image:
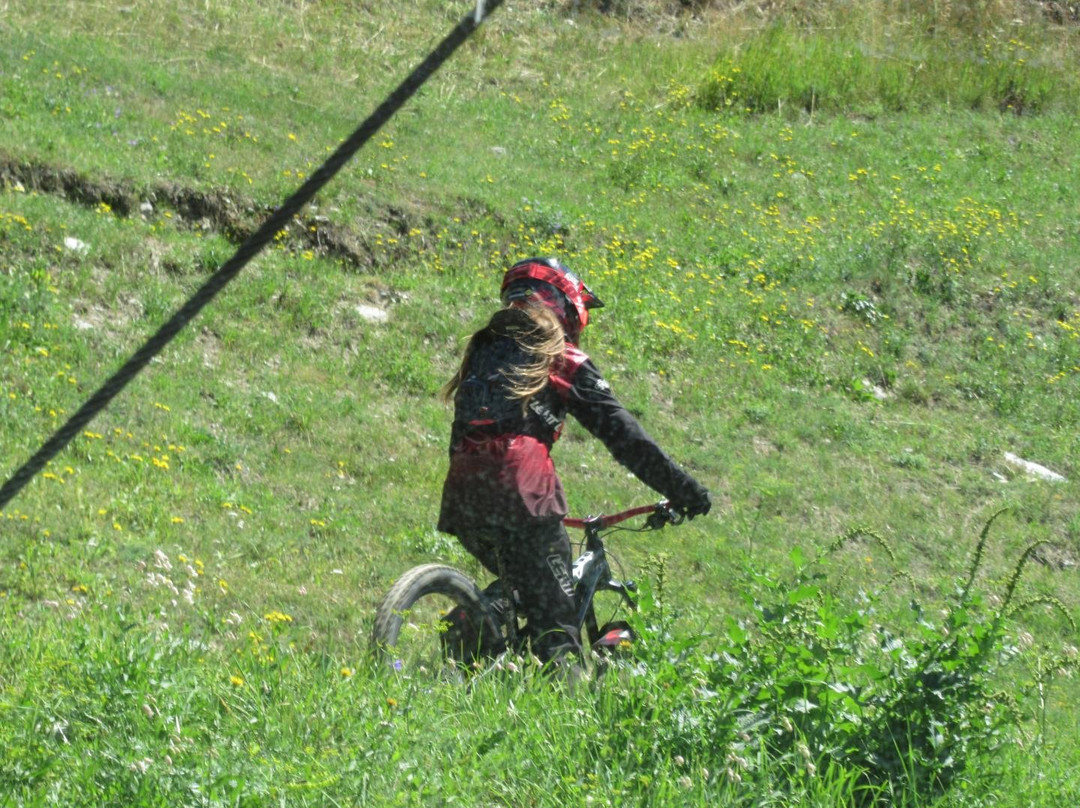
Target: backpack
(484,400)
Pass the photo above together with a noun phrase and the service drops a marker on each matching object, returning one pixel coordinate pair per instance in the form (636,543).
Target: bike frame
(591,571)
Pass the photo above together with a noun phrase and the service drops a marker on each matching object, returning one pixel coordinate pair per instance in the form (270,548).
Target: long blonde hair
(536,329)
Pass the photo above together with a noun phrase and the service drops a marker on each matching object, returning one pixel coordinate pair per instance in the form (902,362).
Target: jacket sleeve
(591,402)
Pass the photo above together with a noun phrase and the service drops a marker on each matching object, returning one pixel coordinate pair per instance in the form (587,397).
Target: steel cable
(247,251)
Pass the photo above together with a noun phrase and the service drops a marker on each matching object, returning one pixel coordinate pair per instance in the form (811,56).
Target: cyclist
(519,377)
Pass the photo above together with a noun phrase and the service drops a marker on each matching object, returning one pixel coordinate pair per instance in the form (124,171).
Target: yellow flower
(237,680)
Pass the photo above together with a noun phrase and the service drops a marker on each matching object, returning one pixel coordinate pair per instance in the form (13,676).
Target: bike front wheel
(433,619)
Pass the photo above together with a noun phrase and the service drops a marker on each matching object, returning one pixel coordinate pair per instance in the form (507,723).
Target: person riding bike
(519,378)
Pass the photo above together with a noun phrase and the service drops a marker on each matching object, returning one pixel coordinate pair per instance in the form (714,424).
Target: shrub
(815,684)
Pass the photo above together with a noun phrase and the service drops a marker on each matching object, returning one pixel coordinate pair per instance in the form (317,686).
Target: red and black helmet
(555,286)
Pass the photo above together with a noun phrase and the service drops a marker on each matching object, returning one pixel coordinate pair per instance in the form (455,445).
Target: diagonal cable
(247,251)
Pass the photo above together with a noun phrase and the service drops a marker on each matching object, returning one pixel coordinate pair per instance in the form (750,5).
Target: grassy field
(838,248)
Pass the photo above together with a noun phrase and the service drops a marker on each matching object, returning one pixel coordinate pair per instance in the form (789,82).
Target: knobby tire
(409,646)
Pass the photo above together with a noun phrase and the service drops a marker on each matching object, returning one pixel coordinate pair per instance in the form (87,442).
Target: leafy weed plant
(813,685)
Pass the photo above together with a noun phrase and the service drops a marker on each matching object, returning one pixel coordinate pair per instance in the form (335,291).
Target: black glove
(695,503)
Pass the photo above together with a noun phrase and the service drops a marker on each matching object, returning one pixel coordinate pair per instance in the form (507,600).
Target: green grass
(872,65)
(764,273)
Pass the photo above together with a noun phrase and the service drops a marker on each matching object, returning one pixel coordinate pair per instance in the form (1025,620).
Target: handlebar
(659,514)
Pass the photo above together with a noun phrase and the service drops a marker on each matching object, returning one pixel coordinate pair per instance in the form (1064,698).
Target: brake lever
(664,515)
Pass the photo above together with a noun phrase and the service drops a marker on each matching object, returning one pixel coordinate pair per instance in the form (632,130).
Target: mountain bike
(436,617)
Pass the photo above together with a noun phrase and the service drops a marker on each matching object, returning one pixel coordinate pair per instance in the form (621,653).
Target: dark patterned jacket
(501,472)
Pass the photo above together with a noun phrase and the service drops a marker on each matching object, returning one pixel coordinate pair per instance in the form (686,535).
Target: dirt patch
(67,183)
(1057,557)
(1061,13)
(209,345)
(214,210)
(211,210)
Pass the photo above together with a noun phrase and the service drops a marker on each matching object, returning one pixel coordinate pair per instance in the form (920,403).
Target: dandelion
(237,681)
